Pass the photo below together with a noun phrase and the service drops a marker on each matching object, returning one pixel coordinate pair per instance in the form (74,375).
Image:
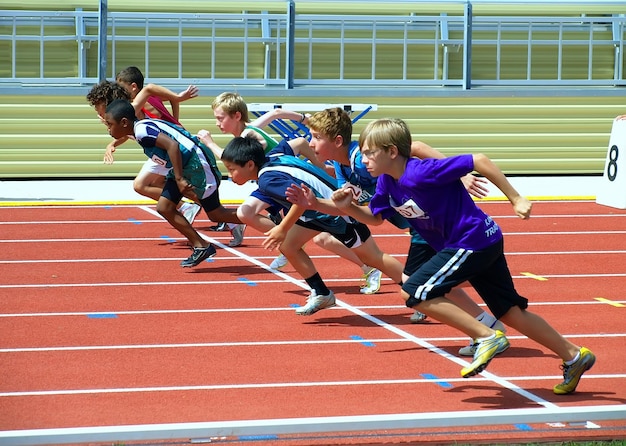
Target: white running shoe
(189,211)
(470,349)
(417,317)
(316,303)
(371,281)
(237,233)
(279,262)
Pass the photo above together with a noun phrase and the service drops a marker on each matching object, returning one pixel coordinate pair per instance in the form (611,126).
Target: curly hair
(106,92)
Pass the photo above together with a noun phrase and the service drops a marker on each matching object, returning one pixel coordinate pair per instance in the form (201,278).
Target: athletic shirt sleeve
(158,104)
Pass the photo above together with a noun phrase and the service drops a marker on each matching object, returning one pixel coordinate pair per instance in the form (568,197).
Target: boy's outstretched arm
(304,197)
(165,94)
(474,185)
(344,200)
(487,168)
(278,113)
(277,234)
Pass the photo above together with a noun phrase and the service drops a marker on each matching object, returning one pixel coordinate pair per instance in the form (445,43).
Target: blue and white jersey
(283,169)
(146,132)
(361,182)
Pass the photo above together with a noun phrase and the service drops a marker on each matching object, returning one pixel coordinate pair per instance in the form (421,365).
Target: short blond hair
(386,132)
(231,103)
(331,123)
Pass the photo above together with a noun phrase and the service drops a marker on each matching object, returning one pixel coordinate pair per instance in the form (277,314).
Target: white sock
(572,361)
(485,339)
(486,319)
(231,225)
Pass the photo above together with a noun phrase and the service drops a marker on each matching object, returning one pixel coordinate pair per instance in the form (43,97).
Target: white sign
(612,191)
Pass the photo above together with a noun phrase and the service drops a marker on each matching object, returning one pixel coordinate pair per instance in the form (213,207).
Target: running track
(100,326)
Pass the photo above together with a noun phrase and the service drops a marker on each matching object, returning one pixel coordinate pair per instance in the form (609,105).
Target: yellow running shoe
(485,352)
(573,372)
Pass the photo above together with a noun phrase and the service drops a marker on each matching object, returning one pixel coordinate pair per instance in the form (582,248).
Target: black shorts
(419,253)
(486,270)
(353,237)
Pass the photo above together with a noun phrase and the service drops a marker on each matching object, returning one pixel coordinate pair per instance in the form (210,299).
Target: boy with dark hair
(275,171)
(150,179)
(193,172)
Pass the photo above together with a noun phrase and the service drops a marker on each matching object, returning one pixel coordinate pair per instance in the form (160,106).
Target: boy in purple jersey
(192,172)
(469,244)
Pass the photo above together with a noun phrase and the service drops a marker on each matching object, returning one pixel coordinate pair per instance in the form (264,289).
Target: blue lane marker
(523,427)
(246,281)
(102,316)
(365,343)
(445,385)
(134,221)
(257,437)
(168,239)
(295,305)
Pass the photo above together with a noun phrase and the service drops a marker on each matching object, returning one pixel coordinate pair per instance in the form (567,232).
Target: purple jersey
(431,196)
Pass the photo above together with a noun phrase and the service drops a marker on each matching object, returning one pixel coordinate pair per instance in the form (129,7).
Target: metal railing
(289,50)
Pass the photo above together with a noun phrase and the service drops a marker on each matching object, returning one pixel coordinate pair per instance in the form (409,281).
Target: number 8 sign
(612,191)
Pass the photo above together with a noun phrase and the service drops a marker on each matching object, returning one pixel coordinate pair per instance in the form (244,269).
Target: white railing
(291,50)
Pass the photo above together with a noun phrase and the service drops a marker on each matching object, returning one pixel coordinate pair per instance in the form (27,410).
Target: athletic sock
(317,284)
(486,339)
(486,319)
(572,361)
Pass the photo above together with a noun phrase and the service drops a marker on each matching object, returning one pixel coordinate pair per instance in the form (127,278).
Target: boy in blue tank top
(469,244)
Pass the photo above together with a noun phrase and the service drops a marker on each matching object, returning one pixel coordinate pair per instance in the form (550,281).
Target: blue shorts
(486,270)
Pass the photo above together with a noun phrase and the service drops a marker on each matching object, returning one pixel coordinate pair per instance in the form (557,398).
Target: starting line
(261,428)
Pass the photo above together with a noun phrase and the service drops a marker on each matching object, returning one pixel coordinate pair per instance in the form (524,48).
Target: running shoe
(485,352)
(470,349)
(417,317)
(316,303)
(237,233)
(198,255)
(573,372)
(189,211)
(279,262)
(219,227)
(371,282)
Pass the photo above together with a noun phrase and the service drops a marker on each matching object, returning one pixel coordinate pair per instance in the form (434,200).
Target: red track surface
(99,326)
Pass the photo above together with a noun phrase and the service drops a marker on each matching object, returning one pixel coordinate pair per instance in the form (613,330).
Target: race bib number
(356,190)
(159,161)
(410,209)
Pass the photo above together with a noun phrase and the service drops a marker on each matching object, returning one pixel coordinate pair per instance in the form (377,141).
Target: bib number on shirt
(410,209)
(159,161)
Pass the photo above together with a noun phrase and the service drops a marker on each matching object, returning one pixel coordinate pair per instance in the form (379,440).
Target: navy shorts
(486,270)
(355,233)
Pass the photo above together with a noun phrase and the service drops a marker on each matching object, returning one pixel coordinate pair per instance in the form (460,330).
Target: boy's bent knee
(411,301)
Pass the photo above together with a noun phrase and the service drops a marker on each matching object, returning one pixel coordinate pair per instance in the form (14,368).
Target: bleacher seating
(527,133)
(61,136)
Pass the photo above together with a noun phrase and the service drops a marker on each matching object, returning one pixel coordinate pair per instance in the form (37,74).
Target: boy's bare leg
(149,184)
(536,328)
(370,254)
(443,310)
(167,209)
(330,243)
(292,248)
